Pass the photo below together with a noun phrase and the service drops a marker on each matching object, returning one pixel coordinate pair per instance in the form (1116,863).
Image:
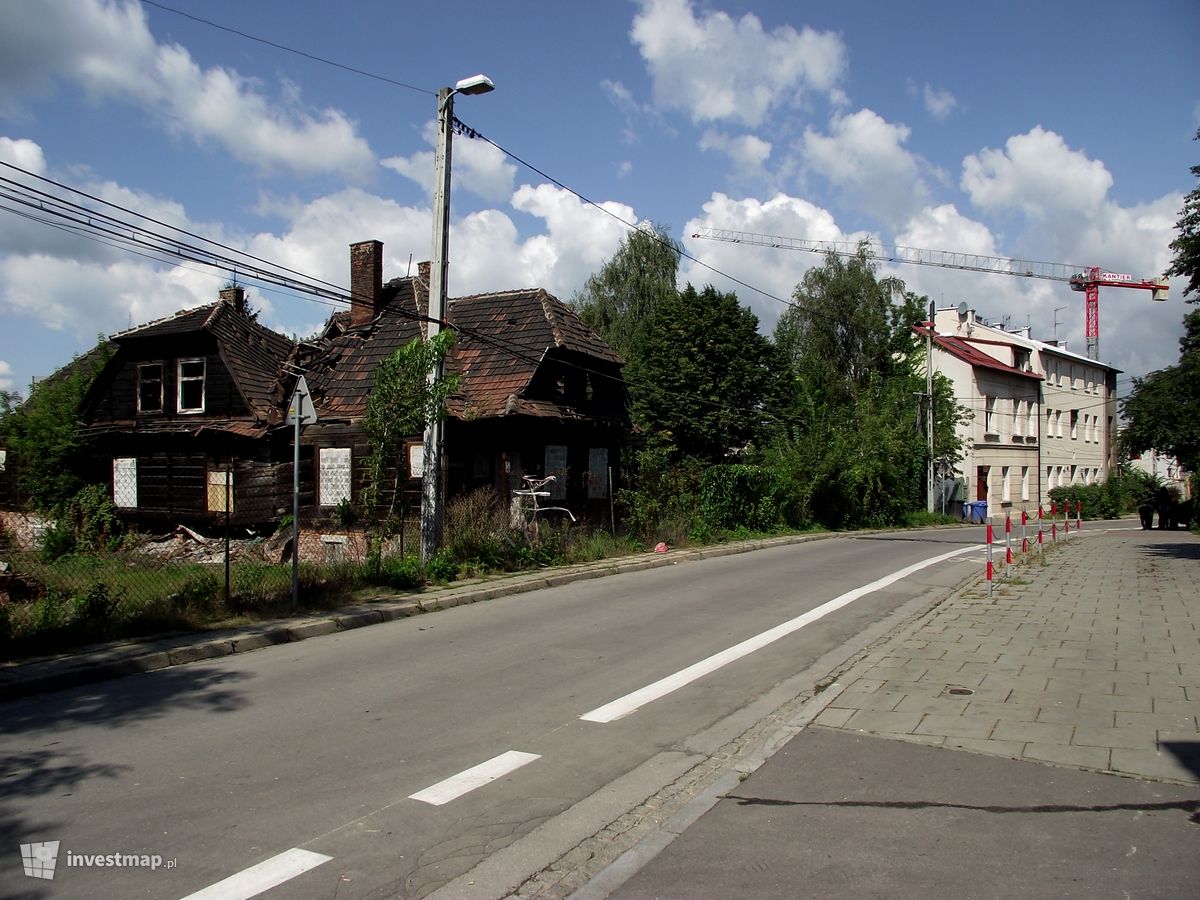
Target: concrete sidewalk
(1080,669)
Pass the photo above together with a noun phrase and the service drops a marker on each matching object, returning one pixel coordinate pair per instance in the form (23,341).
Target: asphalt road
(319,747)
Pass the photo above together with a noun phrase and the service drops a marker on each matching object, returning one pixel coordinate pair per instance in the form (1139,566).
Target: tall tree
(41,433)
(1187,245)
(700,375)
(641,275)
(1163,411)
(841,332)
(854,451)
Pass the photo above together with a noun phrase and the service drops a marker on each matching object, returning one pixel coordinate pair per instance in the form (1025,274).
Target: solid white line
(477,776)
(623,706)
(267,874)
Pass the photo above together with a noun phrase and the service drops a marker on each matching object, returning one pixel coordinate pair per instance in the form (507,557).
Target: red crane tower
(1088,279)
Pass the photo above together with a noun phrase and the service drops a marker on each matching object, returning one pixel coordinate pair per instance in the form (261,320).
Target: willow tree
(639,277)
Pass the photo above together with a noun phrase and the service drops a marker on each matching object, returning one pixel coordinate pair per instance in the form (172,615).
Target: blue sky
(1060,132)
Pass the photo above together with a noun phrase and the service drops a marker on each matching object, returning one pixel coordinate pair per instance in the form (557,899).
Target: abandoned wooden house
(186,421)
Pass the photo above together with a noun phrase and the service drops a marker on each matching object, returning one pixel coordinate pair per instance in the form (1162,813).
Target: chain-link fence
(188,541)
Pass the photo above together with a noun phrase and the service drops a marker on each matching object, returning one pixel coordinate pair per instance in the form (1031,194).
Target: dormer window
(191,386)
(150,388)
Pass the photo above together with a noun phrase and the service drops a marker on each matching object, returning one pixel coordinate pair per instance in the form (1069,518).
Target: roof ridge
(191,310)
(551,313)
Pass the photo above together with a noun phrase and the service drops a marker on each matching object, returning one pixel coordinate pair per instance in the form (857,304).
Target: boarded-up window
(597,482)
(220,486)
(334,475)
(416,460)
(125,482)
(556,465)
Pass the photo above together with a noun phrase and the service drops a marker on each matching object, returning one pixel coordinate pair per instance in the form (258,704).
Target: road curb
(108,662)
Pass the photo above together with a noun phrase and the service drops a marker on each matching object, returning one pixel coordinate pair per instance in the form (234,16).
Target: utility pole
(431,477)
(929,486)
(432,486)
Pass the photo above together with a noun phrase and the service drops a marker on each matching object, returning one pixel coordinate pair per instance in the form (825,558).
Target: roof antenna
(408,274)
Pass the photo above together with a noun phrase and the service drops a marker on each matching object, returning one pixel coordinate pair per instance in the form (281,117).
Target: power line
(287,49)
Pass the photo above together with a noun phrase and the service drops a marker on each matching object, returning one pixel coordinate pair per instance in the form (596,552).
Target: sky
(1060,132)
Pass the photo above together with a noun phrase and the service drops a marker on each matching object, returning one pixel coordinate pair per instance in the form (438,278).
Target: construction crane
(1088,279)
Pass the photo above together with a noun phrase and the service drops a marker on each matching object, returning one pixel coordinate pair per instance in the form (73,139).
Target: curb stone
(107,662)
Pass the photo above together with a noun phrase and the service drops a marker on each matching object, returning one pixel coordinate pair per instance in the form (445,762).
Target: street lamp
(431,477)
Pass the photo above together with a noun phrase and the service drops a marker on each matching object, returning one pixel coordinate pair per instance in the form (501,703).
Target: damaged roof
(502,339)
(253,353)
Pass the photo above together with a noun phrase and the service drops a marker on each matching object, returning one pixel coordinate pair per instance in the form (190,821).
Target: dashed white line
(630,703)
(266,875)
(477,776)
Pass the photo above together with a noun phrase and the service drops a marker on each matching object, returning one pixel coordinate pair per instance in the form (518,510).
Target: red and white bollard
(1078,515)
(1024,532)
(1041,514)
(990,569)
(1007,545)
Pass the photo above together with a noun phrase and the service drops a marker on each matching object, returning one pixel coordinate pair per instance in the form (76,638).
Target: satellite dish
(962,310)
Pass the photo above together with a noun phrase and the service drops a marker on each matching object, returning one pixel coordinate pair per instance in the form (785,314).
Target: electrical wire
(287,49)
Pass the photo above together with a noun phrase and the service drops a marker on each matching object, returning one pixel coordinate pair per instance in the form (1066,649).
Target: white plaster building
(1042,415)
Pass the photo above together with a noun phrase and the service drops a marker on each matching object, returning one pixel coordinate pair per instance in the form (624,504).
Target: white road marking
(630,703)
(477,776)
(267,874)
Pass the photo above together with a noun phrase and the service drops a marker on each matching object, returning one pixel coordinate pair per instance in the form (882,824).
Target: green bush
(58,541)
(401,572)
(442,567)
(739,497)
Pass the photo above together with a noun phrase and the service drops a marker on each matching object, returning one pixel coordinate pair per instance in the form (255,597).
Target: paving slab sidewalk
(1042,742)
(1089,657)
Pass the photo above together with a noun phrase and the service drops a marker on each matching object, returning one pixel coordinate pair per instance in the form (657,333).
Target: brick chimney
(234,296)
(366,280)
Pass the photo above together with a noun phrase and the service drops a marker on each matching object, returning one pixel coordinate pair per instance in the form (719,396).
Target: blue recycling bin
(979,511)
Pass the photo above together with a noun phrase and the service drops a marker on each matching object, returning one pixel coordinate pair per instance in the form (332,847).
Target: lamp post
(431,476)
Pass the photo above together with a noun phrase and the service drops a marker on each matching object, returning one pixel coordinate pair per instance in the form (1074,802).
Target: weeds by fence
(97,572)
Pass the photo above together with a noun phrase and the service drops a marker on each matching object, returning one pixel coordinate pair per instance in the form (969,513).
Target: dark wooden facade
(189,398)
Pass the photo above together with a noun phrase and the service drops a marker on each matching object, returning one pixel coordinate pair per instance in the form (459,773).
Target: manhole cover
(960,691)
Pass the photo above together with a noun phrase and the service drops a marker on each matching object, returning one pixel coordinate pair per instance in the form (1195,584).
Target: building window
(191,386)
(333,473)
(1074,424)
(597,473)
(1033,419)
(989,418)
(556,465)
(1024,482)
(1007,484)
(1018,417)
(150,387)
(220,490)
(1049,478)
(125,482)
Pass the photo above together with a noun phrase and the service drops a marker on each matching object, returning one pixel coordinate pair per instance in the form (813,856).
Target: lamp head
(476,84)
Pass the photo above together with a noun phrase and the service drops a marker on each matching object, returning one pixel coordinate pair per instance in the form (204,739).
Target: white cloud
(864,156)
(478,167)
(107,48)
(23,153)
(625,169)
(1038,174)
(748,153)
(718,68)
(6,373)
(770,270)
(939,103)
